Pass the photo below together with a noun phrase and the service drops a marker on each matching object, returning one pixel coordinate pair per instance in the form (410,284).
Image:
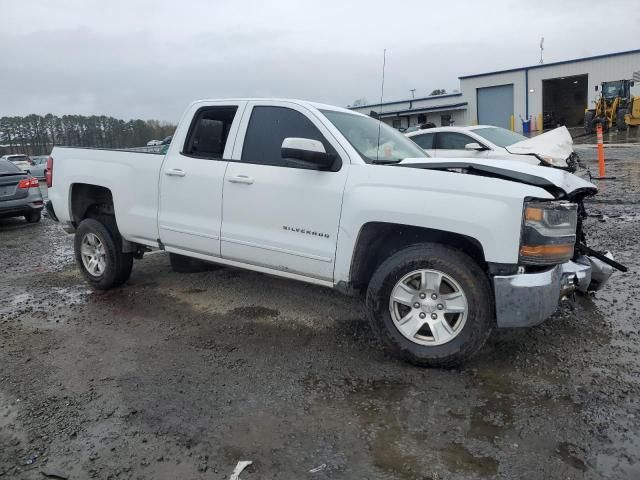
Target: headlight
(548,232)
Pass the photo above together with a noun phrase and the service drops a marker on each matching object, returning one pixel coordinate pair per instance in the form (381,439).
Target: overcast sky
(149,59)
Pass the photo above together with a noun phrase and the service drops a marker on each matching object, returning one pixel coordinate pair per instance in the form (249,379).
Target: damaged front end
(532,295)
(602,263)
(555,260)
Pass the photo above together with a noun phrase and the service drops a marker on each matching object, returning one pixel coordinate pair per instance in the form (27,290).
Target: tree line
(37,134)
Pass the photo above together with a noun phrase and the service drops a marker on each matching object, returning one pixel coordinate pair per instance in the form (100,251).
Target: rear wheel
(431,305)
(98,251)
(33,217)
(621,124)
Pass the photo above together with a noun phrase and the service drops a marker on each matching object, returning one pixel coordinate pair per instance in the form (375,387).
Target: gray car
(20,194)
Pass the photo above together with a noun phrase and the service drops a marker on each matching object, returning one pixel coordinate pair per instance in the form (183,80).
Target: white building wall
(469,88)
(620,67)
(608,68)
(617,67)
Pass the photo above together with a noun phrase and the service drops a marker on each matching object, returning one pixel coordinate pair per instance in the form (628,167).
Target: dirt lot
(181,376)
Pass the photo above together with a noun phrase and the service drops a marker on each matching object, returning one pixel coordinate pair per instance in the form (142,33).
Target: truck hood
(558,182)
(556,145)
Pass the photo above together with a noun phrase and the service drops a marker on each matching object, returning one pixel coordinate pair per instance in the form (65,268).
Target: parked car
(19,193)
(554,148)
(23,162)
(39,166)
(154,143)
(445,249)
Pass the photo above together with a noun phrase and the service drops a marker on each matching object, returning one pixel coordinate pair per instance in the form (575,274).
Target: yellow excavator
(614,107)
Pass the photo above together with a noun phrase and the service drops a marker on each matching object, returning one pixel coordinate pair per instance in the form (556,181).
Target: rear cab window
(208,133)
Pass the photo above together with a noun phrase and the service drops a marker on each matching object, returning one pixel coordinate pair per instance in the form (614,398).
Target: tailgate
(9,187)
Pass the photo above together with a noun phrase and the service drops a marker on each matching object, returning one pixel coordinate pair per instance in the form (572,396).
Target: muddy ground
(182,376)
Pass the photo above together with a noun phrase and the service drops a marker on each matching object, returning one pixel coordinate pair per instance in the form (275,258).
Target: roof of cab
(306,103)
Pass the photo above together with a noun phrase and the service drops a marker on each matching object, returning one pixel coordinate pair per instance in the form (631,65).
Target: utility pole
(541,49)
(413,93)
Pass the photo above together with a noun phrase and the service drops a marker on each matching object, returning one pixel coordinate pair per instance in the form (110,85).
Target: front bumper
(527,299)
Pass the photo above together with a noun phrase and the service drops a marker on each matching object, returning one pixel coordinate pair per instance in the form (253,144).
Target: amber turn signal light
(553,251)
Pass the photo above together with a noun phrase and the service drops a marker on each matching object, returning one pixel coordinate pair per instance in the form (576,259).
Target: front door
(278,213)
(191,179)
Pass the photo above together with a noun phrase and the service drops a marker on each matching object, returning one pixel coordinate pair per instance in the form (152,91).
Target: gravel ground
(182,376)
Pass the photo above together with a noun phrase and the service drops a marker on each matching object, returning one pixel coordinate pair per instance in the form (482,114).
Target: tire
(588,122)
(117,265)
(621,125)
(184,264)
(458,268)
(33,217)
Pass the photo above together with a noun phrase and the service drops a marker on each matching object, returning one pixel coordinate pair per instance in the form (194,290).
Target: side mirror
(632,83)
(308,151)
(596,88)
(474,146)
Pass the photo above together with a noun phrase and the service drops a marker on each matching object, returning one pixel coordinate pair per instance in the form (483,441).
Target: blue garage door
(495,105)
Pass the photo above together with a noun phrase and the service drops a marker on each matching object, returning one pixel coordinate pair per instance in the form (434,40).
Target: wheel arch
(377,241)
(87,200)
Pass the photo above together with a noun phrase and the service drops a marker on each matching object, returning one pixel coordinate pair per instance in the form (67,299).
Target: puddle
(568,453)
(21,298)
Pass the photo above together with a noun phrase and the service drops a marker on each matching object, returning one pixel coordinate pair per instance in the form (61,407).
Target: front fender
(488,210)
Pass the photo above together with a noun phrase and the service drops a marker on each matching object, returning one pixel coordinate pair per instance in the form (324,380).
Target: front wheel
(588,122)
(431,305)
(98,251)
(621,124)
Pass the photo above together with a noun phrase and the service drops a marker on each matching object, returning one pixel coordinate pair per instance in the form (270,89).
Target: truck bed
(131,176)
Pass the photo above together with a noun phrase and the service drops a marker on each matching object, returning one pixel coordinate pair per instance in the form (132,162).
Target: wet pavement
(182,376)
(613,136)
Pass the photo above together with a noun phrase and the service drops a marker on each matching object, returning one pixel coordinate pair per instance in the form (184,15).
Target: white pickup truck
(445,250)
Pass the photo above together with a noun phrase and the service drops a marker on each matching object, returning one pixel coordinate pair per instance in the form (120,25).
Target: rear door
(451,145)
(191,179)
(277,213)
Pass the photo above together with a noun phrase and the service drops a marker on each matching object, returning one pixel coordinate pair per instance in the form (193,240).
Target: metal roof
(543,65)
(431,97)
(451,106)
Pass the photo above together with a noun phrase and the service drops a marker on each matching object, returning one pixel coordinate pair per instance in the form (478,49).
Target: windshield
(18,158)
(362,134)
(499,136)
(612,90)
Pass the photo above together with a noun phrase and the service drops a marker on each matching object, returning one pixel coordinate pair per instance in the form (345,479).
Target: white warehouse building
(559,92)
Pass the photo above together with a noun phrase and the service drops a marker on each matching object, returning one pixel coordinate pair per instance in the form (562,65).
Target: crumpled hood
(551,179)
(556,144)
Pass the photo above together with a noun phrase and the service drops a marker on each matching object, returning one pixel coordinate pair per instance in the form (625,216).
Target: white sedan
(23,162)
(553,148)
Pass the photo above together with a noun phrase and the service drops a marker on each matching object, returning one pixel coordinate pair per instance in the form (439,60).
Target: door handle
(175,172)
(241,179)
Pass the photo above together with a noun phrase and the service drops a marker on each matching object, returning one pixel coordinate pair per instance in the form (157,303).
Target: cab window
(268,127)
(208,133)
